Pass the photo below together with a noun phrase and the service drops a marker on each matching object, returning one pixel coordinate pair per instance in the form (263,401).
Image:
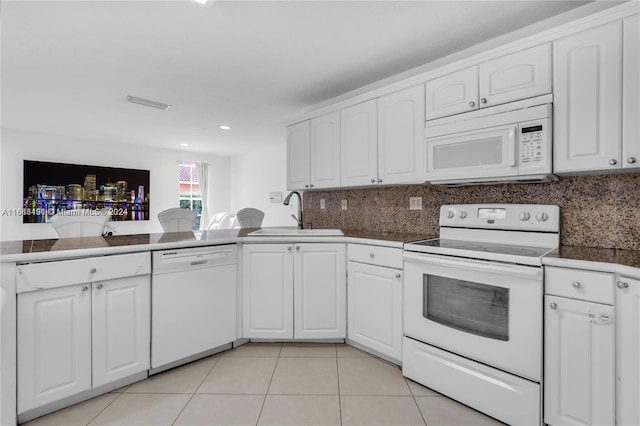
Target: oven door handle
(471,264)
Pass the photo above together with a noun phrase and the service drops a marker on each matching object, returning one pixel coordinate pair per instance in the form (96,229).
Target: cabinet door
(298,156)
(631,92)
(320,291)
(359,144)
(121,319)
(517,76)
(267,275)
(452,94)
(579,362)
(587,99)
(325,151)
(375,308)
(401,137)
(628,352)
(54,345)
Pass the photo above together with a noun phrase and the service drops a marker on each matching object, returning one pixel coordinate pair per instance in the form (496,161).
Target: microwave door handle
(511,146)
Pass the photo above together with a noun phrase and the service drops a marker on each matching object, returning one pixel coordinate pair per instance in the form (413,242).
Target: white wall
(17,146)
(254,176)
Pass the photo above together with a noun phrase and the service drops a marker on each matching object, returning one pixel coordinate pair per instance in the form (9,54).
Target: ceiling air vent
(147,102)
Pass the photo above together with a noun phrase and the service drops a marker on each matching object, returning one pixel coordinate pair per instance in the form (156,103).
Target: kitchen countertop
(625,262)
(63,248)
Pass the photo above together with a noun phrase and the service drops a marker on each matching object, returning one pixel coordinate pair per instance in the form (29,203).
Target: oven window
(468,306)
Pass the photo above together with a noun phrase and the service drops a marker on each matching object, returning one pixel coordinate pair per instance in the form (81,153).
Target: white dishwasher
(193,303)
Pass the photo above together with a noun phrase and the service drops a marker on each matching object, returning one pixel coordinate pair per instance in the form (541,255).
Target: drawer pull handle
(553,306)
(85,288)
(371,255)
(622,285)
(99,286)
(576,285)
(398,275)
(92,270)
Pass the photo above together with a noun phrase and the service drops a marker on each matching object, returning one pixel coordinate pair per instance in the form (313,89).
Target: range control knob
(525,216)
(542,217)
(462,214)
(451,213)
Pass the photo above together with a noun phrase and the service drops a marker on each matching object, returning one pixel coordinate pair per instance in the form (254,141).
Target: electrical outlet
(344,204)
(415,203)
(322,205)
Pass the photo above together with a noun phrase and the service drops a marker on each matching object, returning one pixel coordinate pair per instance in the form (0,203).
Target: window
(190,194)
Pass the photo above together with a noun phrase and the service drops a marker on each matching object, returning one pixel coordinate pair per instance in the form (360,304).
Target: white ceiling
(67,67)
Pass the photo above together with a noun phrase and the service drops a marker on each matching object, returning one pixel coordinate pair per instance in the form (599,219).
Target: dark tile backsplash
(596,211)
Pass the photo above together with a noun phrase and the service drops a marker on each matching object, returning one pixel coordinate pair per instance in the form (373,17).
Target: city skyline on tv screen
(50,188)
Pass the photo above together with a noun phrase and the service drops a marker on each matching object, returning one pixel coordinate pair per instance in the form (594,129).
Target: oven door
(486,153)
(490,312)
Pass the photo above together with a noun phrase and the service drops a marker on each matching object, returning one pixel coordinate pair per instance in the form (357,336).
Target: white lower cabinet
(74,338)
(580,348)
(294,291)
(628,351)
(375,308)
(120,320)
(54,345)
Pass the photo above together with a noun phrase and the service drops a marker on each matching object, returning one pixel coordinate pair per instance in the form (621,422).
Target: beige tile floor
(274,384)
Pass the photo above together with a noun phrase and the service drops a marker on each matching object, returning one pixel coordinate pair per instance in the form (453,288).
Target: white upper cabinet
(587,70)
(452,94)
(401,136)
(298,176)
(520,75)
(325,151)
(631,92)
(359,144)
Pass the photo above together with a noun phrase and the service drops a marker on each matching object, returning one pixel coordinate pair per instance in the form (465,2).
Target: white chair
(214,223)
(177,220)
(80,223)
(250,217)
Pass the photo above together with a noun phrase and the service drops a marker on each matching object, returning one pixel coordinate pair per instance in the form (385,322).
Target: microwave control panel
(534,144)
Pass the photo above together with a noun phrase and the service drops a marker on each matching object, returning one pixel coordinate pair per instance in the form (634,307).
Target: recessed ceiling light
(200,1)
(225,127)
(184,144)
(147,102)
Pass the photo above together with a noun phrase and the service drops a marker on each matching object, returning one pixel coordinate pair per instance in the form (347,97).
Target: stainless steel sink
(288,232)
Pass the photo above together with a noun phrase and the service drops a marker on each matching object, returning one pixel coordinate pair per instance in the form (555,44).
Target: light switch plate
(415,203)
(275,197)
(322,204)
(344,204)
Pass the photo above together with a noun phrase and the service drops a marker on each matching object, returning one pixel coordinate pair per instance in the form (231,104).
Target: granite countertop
(604,259)
(607,260)
(49,249)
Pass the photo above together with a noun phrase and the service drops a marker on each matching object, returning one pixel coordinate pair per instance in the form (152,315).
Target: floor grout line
(217,358)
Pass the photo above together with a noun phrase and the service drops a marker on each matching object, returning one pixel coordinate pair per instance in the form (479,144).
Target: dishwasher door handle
(199,262)
(191,258)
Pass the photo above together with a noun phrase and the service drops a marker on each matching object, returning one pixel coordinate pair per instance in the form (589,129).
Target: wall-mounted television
(50,188)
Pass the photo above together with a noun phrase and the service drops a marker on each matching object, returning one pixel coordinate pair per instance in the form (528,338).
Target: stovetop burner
(482,247)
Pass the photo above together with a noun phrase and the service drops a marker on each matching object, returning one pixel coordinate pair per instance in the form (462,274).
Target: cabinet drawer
(375,255)
(579,284)
(45,275)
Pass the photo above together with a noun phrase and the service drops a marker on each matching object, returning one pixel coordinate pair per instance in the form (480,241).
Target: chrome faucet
(286,203)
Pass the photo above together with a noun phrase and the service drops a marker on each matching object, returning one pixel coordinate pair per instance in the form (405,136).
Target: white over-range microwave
(511,145)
